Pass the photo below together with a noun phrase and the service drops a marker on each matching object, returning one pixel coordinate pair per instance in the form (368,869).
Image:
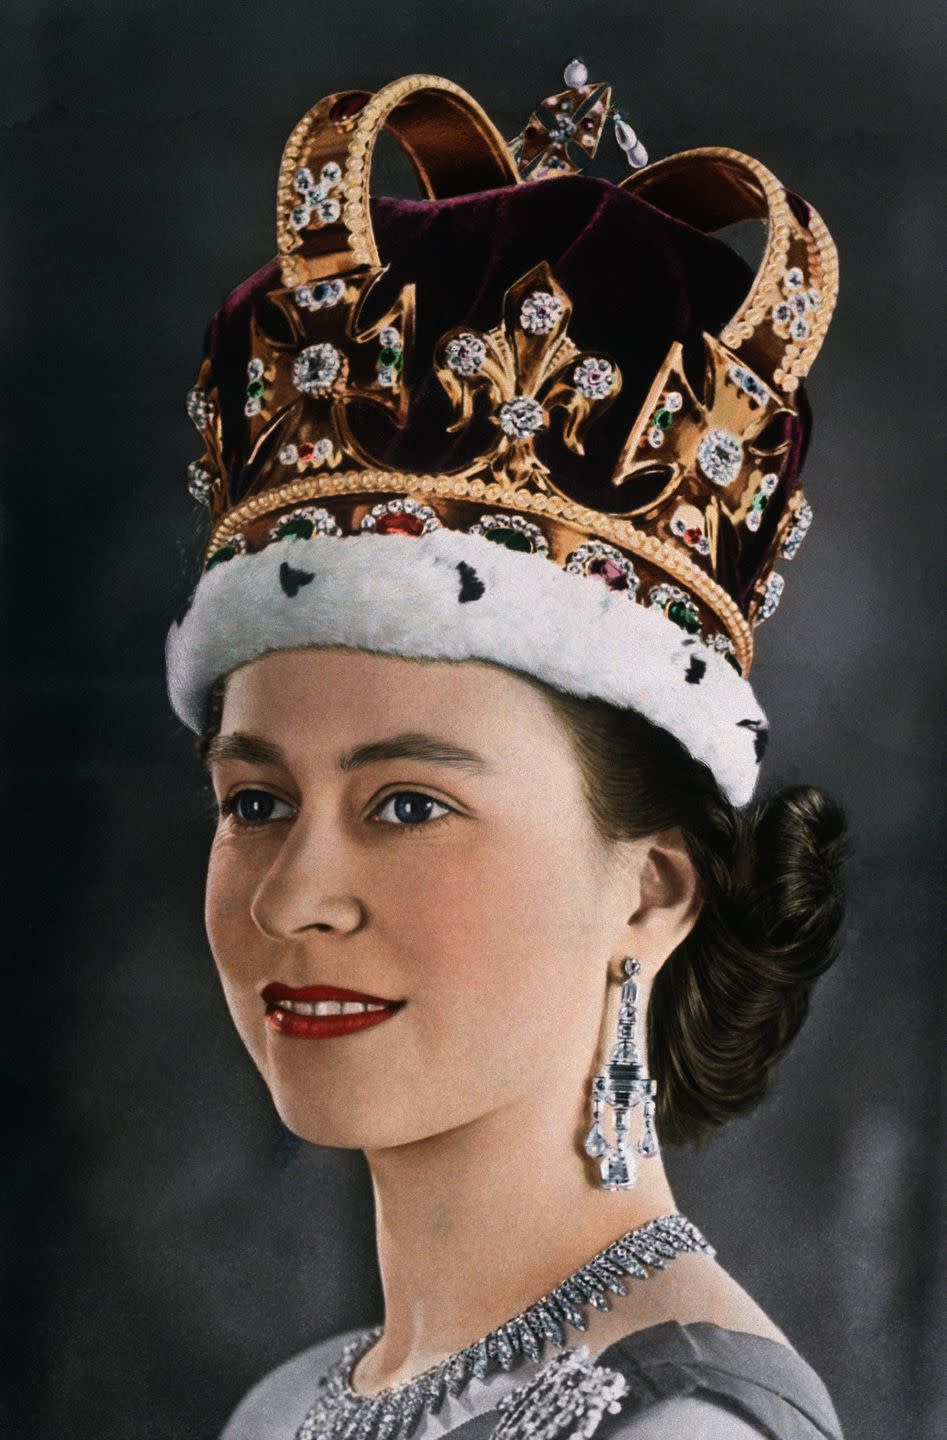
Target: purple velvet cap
(638,278)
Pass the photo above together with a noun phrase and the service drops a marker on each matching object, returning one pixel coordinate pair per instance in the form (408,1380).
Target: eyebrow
(409,746)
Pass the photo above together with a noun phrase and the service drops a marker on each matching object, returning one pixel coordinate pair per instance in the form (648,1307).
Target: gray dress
(698,1381)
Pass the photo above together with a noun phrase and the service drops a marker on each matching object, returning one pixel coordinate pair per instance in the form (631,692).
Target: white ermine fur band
(454,596)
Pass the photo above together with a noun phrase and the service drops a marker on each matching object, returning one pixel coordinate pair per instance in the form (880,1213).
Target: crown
(684,510)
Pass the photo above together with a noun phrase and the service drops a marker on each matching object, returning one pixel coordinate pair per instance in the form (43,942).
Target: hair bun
(785,892)
(770,924)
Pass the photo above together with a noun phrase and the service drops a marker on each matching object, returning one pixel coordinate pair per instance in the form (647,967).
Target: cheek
(230,930)
(504,948)
(219,897)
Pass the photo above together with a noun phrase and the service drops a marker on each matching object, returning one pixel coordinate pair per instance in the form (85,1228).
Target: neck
(475,1223)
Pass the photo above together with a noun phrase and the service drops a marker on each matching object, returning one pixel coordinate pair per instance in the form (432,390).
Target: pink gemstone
(693,536)
(306,451)
(399,524)
(609,572)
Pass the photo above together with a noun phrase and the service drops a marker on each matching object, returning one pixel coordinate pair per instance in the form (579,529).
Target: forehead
(325,698)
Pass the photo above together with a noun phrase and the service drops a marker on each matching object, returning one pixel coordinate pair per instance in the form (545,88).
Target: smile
(328,1007)
(322,1012)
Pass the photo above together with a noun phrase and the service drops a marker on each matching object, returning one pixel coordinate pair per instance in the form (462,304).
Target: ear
(668,900)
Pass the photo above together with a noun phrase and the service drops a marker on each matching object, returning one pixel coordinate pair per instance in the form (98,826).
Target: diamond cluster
(540,313)
(465,353)
(316,368)
(316,196)
(570,1394)
(720,455)
(798,532)
(791,314)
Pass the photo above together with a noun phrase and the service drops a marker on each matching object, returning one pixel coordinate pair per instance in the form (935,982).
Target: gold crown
(701,461)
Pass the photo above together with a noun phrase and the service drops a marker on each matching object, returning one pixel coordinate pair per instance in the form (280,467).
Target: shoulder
(670,1381)
(725,1381)
(274,1407)
(689,1415)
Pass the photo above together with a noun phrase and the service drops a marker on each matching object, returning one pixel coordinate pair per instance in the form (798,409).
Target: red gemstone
(306,451)
(693,536)
(610,573)
(348,105)
(399,523)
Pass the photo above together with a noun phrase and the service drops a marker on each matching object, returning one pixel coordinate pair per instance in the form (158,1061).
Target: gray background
(167,1240)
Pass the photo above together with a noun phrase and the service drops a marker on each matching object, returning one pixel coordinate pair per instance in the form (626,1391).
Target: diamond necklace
(340,1414)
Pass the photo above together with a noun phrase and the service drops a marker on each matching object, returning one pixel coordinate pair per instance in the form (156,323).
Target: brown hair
(729,1001)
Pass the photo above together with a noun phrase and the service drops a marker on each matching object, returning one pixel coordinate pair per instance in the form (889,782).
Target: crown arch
(452,144)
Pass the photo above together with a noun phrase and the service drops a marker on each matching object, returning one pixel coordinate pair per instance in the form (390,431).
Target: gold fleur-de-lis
(527,366)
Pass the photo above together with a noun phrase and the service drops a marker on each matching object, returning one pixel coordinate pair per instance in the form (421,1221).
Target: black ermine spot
(471,586)
(760,735)
(695,670)
(291,579)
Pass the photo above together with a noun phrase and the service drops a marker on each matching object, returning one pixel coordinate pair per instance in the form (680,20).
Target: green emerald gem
(512,539)
(682,615)
(664,419)
(389,357)
(299,528)
(255,387)
(226,552)
(759,501)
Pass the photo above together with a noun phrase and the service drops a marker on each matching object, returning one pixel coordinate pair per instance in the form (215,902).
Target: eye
(408,810)
(253,807)
(410,807)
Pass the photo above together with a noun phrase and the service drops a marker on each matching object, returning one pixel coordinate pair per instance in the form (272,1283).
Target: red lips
(290,1023)
(275,991)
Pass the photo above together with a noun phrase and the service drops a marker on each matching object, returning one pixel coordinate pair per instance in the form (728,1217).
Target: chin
(337,1122)
(310,1119)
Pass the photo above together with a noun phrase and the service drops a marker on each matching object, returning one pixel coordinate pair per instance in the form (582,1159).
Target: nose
(311,885)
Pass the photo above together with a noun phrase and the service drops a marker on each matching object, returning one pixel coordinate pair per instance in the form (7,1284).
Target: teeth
(328,1007)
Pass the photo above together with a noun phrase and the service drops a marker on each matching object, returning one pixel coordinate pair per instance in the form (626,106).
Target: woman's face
(414,831)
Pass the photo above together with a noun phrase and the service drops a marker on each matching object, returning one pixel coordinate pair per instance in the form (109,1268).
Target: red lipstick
(295,1010)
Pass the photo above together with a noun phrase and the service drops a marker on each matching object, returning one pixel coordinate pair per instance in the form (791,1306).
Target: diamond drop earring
(623,1083)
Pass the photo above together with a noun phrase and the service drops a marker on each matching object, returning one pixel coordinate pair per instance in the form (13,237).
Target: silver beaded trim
(340,1414)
